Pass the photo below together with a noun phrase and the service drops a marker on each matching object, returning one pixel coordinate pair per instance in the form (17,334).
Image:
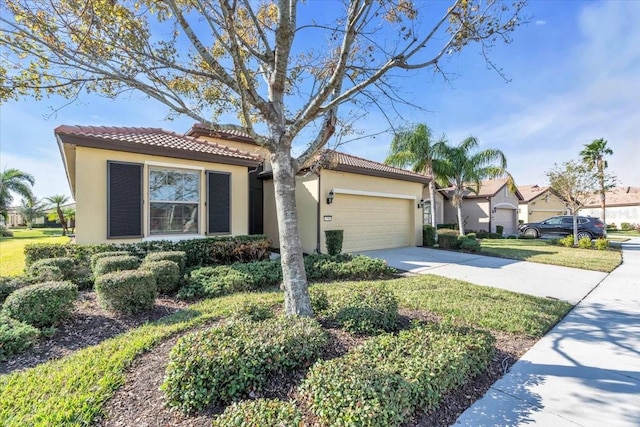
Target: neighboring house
(539,203)
(622,205)
(494,204)
(137,184)
(16,219)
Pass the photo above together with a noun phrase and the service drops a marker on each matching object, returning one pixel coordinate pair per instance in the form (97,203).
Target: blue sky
(574,74)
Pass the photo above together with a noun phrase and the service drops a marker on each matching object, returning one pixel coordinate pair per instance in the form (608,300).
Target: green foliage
(472,236)
(8,284)
(566,241)
(448,240)
(467,244)
(428,235)
(334,240)
(198,252)
(584,243)
(252,312)
(225,363)
(15,336)
(452,226)
(319,299)
(626,226)
(115,263)
(500,229)
(41,305)
(166,273)
(612,227)
(178,257)
(259,412)
(95,257)
(366,311)
(339,267)
(213,282)
(41,270)
(388,377)
(601,244)
(126,291)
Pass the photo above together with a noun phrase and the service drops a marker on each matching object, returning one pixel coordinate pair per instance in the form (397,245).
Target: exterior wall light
(421,203)
(330,197)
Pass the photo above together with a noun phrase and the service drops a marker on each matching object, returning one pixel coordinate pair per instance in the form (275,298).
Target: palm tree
(58,200)
(31,209)
(593,156)
(14,181)
(464,170)
(415,147)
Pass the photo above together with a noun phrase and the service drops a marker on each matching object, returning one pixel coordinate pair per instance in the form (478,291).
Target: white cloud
(541,22)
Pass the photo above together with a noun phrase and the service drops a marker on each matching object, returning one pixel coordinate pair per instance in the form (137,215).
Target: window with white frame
(174,201)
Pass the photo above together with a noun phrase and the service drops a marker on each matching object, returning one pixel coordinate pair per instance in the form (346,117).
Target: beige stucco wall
(306,204)
(544,206)
(91,192)
(475,214)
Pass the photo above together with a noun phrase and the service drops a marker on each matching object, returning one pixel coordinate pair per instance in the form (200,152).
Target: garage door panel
(372,222)
(505,218)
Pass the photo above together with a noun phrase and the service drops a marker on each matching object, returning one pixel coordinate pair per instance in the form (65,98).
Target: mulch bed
(139,401)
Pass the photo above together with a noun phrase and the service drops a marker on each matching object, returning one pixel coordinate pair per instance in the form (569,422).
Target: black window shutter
(124,200)
(219,202)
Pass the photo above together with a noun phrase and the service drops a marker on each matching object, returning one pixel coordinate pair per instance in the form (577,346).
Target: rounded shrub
(61,268)
(566,241)
(334,240)
(115,263)
(215,281)
(95,257)
(428,235)
(226,363)
(584,243)
(166,272)
(252,312)
(259,412)
(9,284)
(15,336)
(43,304)
(601,244)
(127,291)
(366,311)
(319,299)
(179,257)
(468,244)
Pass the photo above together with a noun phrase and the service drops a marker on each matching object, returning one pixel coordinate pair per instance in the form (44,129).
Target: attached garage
(373,222)
(506,217)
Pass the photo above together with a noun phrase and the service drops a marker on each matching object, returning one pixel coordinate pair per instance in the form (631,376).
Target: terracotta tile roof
(530,192)
(154,141)
(200,129)
(619,196)
(348,163)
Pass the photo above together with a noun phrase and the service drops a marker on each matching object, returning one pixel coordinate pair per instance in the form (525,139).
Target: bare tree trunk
(63,221)
(296,297)
(460,225)
(575,227)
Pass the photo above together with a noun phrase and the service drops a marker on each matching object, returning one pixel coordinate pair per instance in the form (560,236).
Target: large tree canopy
(283,66)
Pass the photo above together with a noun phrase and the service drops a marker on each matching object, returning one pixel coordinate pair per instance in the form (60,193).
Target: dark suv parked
(560,226)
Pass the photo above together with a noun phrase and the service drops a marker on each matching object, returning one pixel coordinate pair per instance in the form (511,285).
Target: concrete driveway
(563,283)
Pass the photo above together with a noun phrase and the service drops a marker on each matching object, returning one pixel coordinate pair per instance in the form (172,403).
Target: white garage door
(373,222)
(505,218)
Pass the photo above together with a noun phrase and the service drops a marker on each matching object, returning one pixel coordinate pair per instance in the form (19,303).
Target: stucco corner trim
(372,194)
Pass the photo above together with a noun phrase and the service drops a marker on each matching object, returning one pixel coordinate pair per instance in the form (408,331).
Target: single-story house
(539,203)
(494,204)
(135,184)
(622,205)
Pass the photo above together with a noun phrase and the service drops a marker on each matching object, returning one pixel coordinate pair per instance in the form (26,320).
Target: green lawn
(543,252)
(619,233)
(12,248)
(73,390)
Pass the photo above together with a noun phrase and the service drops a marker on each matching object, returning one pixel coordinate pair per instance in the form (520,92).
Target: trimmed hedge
(178,257)
(41,305)
(367,311)
(60,268)
(584,243)
(115,263)
(99,255)
(467,244)
(166,273)
(601,244)
(259,412)
(334,239)
(428,235)
(252,312)
(15,336)
(447,239)
(9,284)
(345,267)
(226,363)
(199,252)
(127,291)
(387,378)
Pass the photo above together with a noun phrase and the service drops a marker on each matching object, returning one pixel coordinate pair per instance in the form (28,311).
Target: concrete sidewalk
(567,284)
(585,371)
